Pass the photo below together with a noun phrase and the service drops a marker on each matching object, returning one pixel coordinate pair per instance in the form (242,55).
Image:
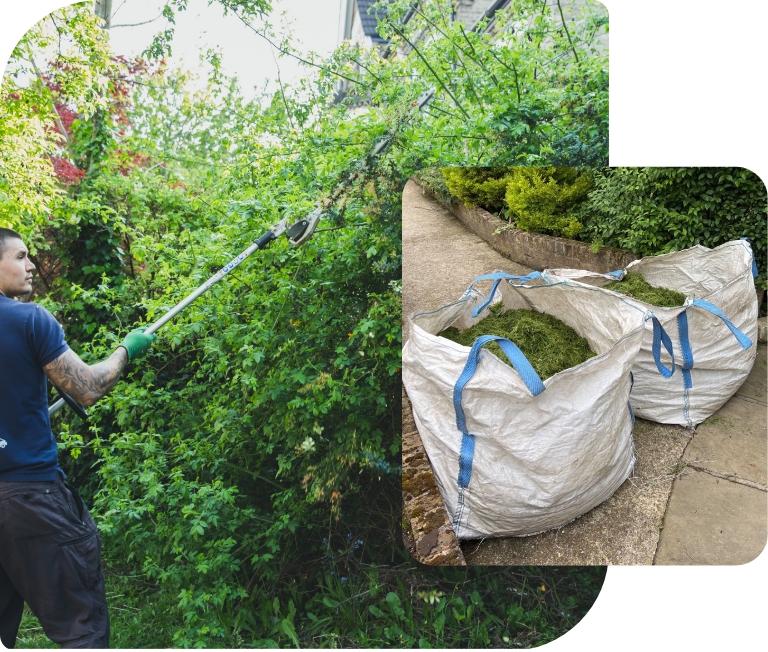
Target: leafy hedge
(656,210)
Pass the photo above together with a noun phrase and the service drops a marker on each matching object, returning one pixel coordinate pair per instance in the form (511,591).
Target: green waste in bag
(635,286)
(550,345)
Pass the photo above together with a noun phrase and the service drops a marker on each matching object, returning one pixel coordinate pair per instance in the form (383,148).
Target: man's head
(15,266)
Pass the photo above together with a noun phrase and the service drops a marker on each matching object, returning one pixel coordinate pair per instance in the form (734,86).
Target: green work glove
(137,342)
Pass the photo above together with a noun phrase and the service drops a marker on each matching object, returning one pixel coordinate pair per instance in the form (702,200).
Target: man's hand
(137,342)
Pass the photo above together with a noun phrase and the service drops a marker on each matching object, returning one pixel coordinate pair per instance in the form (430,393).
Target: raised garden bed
(535,250)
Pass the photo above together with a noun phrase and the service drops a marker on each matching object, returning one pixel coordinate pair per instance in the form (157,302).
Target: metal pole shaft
(207,285)
(55,407)
(259,244)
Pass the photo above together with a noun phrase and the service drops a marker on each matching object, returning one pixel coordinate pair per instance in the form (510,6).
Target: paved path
(697,498)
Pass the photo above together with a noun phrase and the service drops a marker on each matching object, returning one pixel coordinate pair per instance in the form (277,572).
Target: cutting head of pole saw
(299,232)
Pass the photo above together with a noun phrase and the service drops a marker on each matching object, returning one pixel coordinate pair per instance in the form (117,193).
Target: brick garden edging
(427,531)
(535,250)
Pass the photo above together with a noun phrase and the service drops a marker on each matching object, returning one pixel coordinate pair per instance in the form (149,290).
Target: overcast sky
(312,24)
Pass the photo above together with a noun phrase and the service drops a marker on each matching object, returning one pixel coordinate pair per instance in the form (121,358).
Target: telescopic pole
(261,243)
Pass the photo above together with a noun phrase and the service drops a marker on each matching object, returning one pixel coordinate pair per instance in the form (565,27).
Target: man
(50,553)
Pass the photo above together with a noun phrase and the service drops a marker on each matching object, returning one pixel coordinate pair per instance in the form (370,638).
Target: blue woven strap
(660,337)
(497,278)
(466,455)
(737,333)
(617,274)
(685,345)
(754,262)
(524,368)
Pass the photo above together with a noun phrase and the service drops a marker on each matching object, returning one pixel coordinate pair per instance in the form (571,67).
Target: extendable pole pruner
(297,234)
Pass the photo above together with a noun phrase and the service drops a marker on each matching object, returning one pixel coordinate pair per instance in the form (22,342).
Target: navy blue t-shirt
(30,338)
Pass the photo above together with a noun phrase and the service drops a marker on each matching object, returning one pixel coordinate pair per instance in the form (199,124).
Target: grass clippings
(635,286)
(550,345)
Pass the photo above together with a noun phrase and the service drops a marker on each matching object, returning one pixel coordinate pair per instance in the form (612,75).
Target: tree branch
(292,54)
(432,70)
(56,115)
(145,22)
(567,33)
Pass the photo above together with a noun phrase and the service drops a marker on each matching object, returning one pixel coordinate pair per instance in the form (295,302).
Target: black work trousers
(50,558)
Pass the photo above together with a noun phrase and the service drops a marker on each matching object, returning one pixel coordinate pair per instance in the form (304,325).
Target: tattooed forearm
(86,383)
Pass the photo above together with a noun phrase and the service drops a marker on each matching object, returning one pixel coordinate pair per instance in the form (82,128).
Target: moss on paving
(549,344)
(635,286)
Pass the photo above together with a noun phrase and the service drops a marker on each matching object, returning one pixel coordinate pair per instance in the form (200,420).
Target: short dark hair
(6,234)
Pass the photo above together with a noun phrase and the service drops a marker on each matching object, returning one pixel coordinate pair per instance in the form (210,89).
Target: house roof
(368,17)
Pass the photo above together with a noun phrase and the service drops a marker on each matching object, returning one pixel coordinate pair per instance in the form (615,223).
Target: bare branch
(145,22)
(56,115)
(567,33)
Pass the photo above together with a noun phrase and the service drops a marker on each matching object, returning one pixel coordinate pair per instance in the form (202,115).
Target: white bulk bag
(713,332)
(513,455)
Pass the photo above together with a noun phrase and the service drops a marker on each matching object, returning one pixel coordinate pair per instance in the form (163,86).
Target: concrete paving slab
(732,443)
(622,530)
(440,256)
(710,520)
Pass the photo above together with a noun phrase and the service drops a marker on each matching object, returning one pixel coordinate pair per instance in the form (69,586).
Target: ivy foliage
(245,476)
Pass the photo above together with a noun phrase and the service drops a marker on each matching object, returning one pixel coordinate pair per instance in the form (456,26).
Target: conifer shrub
(547,199)
(483,187)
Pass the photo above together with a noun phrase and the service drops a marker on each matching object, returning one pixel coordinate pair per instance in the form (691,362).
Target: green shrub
(656,210)
(433,180)
(478,186)
(546,199)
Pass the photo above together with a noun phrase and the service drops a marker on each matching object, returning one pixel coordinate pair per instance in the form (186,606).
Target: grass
(136,620)
(31,634)
(635,286)
(377,606)
(550,345)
